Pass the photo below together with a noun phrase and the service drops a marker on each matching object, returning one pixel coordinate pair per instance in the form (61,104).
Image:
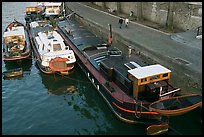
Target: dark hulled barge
(127,85)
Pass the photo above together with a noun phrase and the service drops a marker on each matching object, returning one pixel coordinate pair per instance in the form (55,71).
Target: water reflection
(81,99)
(25,64)
(57,85)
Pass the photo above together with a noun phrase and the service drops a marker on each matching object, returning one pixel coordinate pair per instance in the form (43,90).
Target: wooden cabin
(149,81)
(33,10)
(15,38)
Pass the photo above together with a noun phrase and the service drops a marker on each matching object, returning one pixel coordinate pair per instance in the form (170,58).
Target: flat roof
(146,71)
(52,3)
(16,31)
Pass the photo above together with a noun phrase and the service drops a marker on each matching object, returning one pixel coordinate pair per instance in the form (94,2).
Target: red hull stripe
(132,111)
(10,59)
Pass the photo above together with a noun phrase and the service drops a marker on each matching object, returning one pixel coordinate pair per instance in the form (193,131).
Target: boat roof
(82,38)
(54,38)
(52,3)
(146,71)
(16,31)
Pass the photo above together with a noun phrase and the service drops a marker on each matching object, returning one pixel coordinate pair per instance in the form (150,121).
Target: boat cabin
(33,13)
(50,42)
(14,38)
(52,8)
(149,82)
(30,10)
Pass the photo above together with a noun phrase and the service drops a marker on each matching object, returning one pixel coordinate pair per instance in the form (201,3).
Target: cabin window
(43,47)
(56,47)
(154,77)
(143,80)
(165,75)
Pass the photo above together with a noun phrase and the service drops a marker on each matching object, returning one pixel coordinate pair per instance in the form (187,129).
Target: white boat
(52,55)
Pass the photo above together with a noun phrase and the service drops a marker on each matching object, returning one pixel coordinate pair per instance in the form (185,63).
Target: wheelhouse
(149,82)
(52,9)
(15,38)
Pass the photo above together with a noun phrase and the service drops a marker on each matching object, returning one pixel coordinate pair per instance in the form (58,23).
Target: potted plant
(53,22)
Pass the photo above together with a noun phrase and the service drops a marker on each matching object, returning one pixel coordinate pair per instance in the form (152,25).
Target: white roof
(52,3)
(34,24)
(143,72)
(16,31)
(44,39)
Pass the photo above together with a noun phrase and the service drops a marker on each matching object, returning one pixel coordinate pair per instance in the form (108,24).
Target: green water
(50,104)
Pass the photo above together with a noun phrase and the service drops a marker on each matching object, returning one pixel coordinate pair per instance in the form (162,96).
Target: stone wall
(186,15)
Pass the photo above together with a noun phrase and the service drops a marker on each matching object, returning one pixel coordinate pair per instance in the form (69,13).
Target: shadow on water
(187,124)
(58,85)
(25,64)
(82,99)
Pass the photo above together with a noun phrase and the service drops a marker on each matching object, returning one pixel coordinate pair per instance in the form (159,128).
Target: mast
(110,37)
(63,8)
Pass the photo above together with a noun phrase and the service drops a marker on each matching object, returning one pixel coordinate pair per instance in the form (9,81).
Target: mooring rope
(75,79)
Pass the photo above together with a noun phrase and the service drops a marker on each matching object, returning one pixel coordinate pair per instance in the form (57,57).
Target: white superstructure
(52,8)
(51,45)
(147,71)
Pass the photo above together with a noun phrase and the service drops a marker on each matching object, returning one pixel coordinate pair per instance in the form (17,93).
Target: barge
(128,85)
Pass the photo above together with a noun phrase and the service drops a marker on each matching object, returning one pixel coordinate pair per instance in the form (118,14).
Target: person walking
(120,22)
(126,22)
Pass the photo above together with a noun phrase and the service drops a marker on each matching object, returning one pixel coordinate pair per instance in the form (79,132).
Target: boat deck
(36,30)
(90,45)
(96,50)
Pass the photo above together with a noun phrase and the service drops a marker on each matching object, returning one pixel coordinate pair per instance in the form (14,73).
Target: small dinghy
(157,129)
(13,72)
(177,105)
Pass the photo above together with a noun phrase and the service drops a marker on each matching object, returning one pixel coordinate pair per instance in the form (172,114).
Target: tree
(169,21)
(118,7)
(139,11)
(104,5)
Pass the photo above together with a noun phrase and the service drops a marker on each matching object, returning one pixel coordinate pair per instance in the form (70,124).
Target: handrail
(169,92)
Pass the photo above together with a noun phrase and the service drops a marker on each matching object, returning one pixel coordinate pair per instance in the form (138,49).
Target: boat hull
(121,103)
(177,105)
(129,112)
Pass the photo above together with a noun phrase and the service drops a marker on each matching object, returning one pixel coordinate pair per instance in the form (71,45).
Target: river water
(62,105)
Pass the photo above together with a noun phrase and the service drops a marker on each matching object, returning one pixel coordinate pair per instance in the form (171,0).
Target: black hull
(125,111)
(117,107)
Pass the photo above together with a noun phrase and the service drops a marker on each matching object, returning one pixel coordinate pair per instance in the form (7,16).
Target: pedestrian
(120,22)
(131,13)
(126,22)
